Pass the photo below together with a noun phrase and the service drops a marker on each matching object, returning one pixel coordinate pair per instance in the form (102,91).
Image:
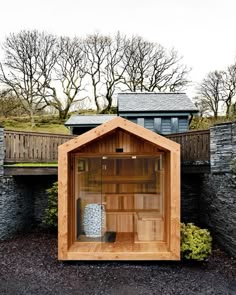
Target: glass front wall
(119,197)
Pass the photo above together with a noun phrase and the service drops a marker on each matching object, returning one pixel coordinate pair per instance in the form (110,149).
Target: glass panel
(90,215)
(119,199)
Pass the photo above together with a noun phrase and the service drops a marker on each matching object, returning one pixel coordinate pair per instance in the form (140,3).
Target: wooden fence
(32,146)
(195,145)
(42,147)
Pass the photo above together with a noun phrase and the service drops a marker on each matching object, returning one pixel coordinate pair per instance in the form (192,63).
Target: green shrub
(196,243)
(51,212)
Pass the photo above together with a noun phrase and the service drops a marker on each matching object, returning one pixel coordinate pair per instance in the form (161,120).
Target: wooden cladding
(119,140)
(42,147)
(119,222)
(119,202)
(32,146)
(133,202)
(195,145)
(150,227)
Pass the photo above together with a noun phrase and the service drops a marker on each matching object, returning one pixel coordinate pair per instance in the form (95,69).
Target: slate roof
(88,119)
(157,102)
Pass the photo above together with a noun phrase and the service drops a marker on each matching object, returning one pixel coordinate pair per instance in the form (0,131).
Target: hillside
(45,123)
(51,124)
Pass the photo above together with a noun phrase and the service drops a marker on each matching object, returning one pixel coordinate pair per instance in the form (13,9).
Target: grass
(32,165)
(44,123)
(46,128)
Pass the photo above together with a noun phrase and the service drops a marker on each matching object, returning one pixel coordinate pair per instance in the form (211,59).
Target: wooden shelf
(129,210)
(123,179)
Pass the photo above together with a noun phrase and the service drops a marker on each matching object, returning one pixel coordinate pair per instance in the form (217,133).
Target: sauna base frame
(124,248)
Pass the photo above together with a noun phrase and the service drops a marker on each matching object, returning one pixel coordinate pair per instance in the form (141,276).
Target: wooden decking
(124,248)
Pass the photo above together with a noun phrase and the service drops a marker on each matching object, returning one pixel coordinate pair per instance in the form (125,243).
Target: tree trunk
(108,107)
(228,109)
(97,105)
(63,114)
(31,113)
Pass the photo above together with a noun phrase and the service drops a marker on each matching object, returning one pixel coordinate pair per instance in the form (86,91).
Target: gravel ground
(29,266)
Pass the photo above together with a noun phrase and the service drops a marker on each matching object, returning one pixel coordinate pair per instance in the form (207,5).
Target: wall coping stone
(223,123)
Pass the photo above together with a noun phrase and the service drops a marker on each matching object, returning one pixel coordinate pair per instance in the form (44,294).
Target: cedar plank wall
(119,139)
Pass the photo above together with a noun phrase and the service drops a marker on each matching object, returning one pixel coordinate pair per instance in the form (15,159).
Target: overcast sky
(202,31)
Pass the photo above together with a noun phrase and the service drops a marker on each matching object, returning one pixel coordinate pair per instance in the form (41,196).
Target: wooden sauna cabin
(119,195)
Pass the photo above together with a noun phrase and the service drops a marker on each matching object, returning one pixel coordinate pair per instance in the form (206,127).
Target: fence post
(1,149)
(222,146)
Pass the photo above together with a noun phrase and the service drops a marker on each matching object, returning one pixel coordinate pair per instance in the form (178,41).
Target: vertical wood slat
(32,146)
(195,145)
(42,147)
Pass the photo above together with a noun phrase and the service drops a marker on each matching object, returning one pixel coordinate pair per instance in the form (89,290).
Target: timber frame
(67,249)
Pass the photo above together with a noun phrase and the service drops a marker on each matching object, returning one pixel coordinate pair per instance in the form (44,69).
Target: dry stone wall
(15,207)
(218,203)
(218,195)
(23,200)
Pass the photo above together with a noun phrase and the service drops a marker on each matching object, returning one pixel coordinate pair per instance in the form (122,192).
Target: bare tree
(149,67)
(137,59)
(229,87)
(211,90)
(28,56)
(69,72)
(113,72)
(96,49)
(202,105)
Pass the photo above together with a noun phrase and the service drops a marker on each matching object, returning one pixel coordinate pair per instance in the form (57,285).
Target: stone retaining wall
(218,195)
(222,146)
(218,208)
(15,207)
(23,200)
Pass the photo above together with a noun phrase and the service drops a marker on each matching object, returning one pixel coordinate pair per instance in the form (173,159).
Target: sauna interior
(130,191)
(119,198)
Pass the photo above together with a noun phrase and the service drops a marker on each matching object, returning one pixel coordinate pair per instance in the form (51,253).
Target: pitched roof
(123,124)
(88,119)
(159,102)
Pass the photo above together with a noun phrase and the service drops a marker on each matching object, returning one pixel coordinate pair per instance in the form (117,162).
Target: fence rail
(32,146)
(195,145)
(42,147)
